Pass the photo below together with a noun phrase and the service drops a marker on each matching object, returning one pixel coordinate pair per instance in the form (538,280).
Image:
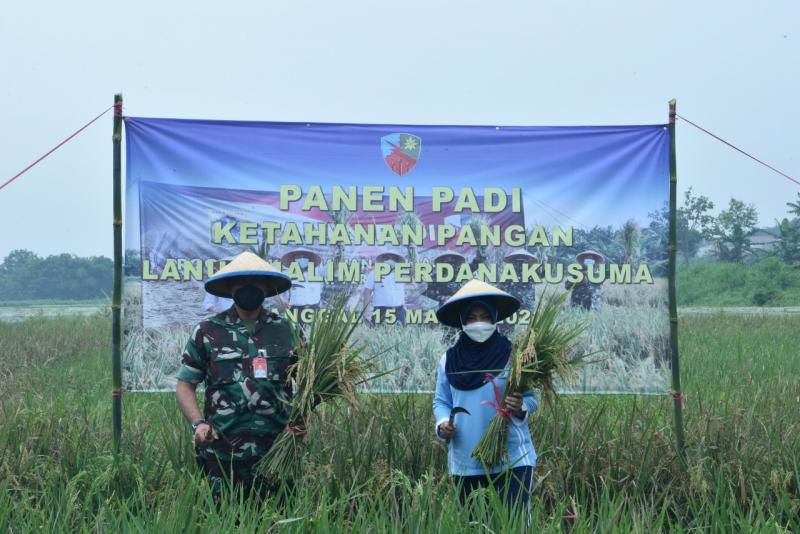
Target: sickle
(454,411)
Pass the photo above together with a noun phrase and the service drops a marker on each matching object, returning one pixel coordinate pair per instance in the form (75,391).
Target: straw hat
(448,313)
(297,253)
(450,257)
(248,264)
(590,254)
(521,255)
(386,256)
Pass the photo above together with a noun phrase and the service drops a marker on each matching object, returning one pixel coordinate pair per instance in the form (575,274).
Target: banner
(400,217)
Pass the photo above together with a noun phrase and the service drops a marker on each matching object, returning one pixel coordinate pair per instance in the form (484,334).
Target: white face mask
(588,263)
(479,331)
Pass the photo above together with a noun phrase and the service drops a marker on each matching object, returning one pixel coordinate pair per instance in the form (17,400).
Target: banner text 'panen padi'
(401,216)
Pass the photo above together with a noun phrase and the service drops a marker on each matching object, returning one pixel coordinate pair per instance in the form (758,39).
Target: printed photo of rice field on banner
(424,209)
(628,337)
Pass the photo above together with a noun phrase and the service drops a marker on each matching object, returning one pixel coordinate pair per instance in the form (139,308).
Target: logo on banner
(401,151)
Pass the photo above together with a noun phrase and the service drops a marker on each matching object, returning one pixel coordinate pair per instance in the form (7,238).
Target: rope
(82,128)
(718,138)
(497,403)
(298,431)
(678,397)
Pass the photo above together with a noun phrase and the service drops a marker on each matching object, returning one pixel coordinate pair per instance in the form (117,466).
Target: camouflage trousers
(230,476)
(588,300)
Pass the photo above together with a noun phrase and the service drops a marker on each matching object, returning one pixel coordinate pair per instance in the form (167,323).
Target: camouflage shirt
(246,412)
(440,291)
(524,291)
(585,294)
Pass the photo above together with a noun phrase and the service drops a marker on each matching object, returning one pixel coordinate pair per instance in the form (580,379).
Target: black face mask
(248,298)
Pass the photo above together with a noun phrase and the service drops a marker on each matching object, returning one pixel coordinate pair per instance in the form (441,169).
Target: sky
(732,66)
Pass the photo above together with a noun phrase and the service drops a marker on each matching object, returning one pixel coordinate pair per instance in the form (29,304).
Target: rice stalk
(541,354)
(329,367)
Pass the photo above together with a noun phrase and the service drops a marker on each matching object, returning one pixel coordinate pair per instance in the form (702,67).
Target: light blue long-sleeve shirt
(470,428)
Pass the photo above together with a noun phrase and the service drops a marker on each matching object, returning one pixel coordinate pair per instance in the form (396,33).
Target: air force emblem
(401,151)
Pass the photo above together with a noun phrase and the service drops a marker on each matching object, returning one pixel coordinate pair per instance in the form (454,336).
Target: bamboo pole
(116,334)
(673,304)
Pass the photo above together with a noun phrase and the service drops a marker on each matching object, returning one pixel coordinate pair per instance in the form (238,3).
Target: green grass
(52,302)
(611,460)
(770,282)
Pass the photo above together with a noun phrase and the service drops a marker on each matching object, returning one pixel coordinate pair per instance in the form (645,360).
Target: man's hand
(447,430)
(514,403)
(203,435)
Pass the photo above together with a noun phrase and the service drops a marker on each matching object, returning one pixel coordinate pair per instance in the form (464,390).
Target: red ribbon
(497,403)
(678,397)
(298,431)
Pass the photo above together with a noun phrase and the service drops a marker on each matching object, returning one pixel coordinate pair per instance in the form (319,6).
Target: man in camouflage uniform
(242,356)
(586,294)
(304,295)
(441,291)
(524,291)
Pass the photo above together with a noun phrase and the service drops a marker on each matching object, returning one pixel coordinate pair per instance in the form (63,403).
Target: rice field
(607,463)
(629,336)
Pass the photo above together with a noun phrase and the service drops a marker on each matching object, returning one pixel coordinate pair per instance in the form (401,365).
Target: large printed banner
(398,217)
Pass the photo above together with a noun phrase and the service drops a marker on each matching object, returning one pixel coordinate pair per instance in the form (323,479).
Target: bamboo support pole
(116,308)
(673,305)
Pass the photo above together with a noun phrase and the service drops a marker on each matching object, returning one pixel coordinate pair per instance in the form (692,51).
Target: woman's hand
(514,403)
(446,430)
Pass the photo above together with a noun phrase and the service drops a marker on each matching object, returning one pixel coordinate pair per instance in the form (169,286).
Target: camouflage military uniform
(586,294)
(244,412)
(440,291)
(524,291)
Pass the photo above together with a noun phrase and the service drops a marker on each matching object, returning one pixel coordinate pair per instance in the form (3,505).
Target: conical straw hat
(292,255)
(248,264)
(586,254)
(448,313)
(521,254)
(389,255)
(450,257)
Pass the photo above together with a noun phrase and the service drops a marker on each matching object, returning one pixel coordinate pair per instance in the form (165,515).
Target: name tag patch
(260,368)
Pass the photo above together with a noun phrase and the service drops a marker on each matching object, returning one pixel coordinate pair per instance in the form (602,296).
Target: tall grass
(607,463)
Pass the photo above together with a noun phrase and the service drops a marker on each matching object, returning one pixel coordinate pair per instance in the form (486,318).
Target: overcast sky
(733,67)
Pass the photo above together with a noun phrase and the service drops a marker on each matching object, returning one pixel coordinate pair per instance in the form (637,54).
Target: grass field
(609,461)
(16,311)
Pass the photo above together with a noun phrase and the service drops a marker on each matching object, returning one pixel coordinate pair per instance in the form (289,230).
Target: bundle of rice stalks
(328,367)
(543,352)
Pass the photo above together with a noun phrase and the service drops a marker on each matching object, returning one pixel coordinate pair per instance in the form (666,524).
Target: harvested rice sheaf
(329,367)
(544,352)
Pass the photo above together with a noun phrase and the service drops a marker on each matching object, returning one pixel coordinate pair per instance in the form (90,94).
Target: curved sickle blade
(457,410)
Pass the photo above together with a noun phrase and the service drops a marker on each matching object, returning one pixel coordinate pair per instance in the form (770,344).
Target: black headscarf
(468,362)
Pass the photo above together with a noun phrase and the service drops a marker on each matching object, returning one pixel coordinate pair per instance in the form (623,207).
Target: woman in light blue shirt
(472,375)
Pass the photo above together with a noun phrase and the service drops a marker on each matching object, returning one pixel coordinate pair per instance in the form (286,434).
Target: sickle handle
(451,421)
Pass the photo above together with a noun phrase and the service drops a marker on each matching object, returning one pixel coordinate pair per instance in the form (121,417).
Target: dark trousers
(514,485)
(239,475)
